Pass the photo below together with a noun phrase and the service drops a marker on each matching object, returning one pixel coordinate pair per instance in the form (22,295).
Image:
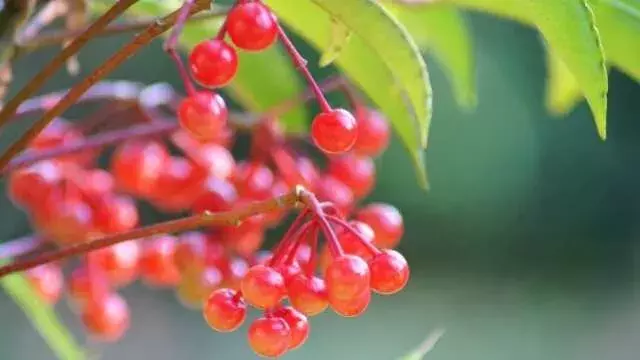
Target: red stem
(292,250)
(172,42)
(370,247)
(317,208)
(285,239)
(311,265)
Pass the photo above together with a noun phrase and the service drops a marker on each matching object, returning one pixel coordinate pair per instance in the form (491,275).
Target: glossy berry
(253,180)
(107,318)
(269,336)
(28,186)
(157,266)
(204,115)
(298,324)
(347,277)
(115,213)
(357,172)
(263,287)
(224,311)
(216,195)
(389,272)
(334,132)
(352,307)
(48,281)
(373,133)
(136,166)
(197,284)
(84,288)
(252,26)
(119,262)
(213,63)
(386,222)
(308,294)
(337,193)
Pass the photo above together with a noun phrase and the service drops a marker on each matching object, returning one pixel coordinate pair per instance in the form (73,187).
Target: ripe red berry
(65,219)
(386,222)
(357,172)
(115,213)
(334,132)
(224,311)
(204,115)
(48,281)
(107,317)
(180,183)
(337,193)
(263,287)
(84,288)
(252,26)
(217,195)
(350,243)
(298,324)
(389,272)
(352,307)
(269,336)
(119,262)
(373,133)
(157,266)
(253,180)
(213,63)
(308,294)
(347,277)
(197,284)
(28,186)
(136,166)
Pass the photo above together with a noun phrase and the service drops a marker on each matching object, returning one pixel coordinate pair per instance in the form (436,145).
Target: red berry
(217,195)
(337,193)
(253,180)
(224,311)
(107,317)
(213,63)
(269,336)
(179,185)
(157,266)
(308,294)
(84,288)
(48,281)
(119,262)
(350,243)
(357,172)
(204,115)
(215,159)
(115,213)
(197,284)
(66,220)
(289,271)
(28,186)
(136,166)
(347,277)
(373,133)
(386,222)
(353,307)
(389,272)
(252,26)
(334,132)
(263,287)
(298,324)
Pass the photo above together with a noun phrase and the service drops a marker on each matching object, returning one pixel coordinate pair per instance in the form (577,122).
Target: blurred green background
(525,247)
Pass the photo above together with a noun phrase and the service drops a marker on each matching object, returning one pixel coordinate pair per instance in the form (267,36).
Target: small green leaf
(263,79)
(340,35)
(443,30)
(562,91)
(380,58)
(425,347)
(42,317)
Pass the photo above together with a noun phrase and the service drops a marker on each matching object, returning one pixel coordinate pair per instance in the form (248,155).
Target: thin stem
(93,142)
(67,52)
(292,249)
(301,64)
(206,219)
(316,207)
(310,266)
(171,44)
(298,222)
(78,90)
(370,247)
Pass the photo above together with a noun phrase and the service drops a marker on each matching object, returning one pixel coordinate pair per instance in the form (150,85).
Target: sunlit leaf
(42,317)
(380,58)
(425,347)
(562,91)
(340,35)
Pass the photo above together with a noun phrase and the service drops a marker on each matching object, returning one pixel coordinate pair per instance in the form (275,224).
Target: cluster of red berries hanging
(69,199)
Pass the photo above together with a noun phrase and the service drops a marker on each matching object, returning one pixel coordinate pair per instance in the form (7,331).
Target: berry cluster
(71,200)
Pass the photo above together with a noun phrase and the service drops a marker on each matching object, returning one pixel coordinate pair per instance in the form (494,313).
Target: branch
(229,218)
(29,90)
(79,89)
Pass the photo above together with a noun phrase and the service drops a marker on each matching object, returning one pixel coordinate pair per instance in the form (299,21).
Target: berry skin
(298,324)
(213,63)
(386,222)
(308,294)
(204,115)
(373,133)
(136,166)
(224,311)
(84,289)
(269,337)
(115,213)
(252,26)
(157,266)
(217,195)
(347,277)
(357,172)
(28,186)
(334,132)
(48,282)
(107,317)
(336,192)
(119,262)
(353,307)
(263,287)
(389,272)
(196,285)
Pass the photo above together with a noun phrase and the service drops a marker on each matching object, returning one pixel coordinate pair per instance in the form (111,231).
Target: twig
(29,90)
(229,218)
(79,89)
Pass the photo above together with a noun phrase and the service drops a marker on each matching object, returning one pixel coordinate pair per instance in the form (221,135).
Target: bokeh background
(525,247)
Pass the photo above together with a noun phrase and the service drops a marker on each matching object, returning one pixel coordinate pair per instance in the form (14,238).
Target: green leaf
(562,91)
(340,35)
(425,347)
(42,317)
(263,80)
(380,58)
(569,28)
(443,30)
